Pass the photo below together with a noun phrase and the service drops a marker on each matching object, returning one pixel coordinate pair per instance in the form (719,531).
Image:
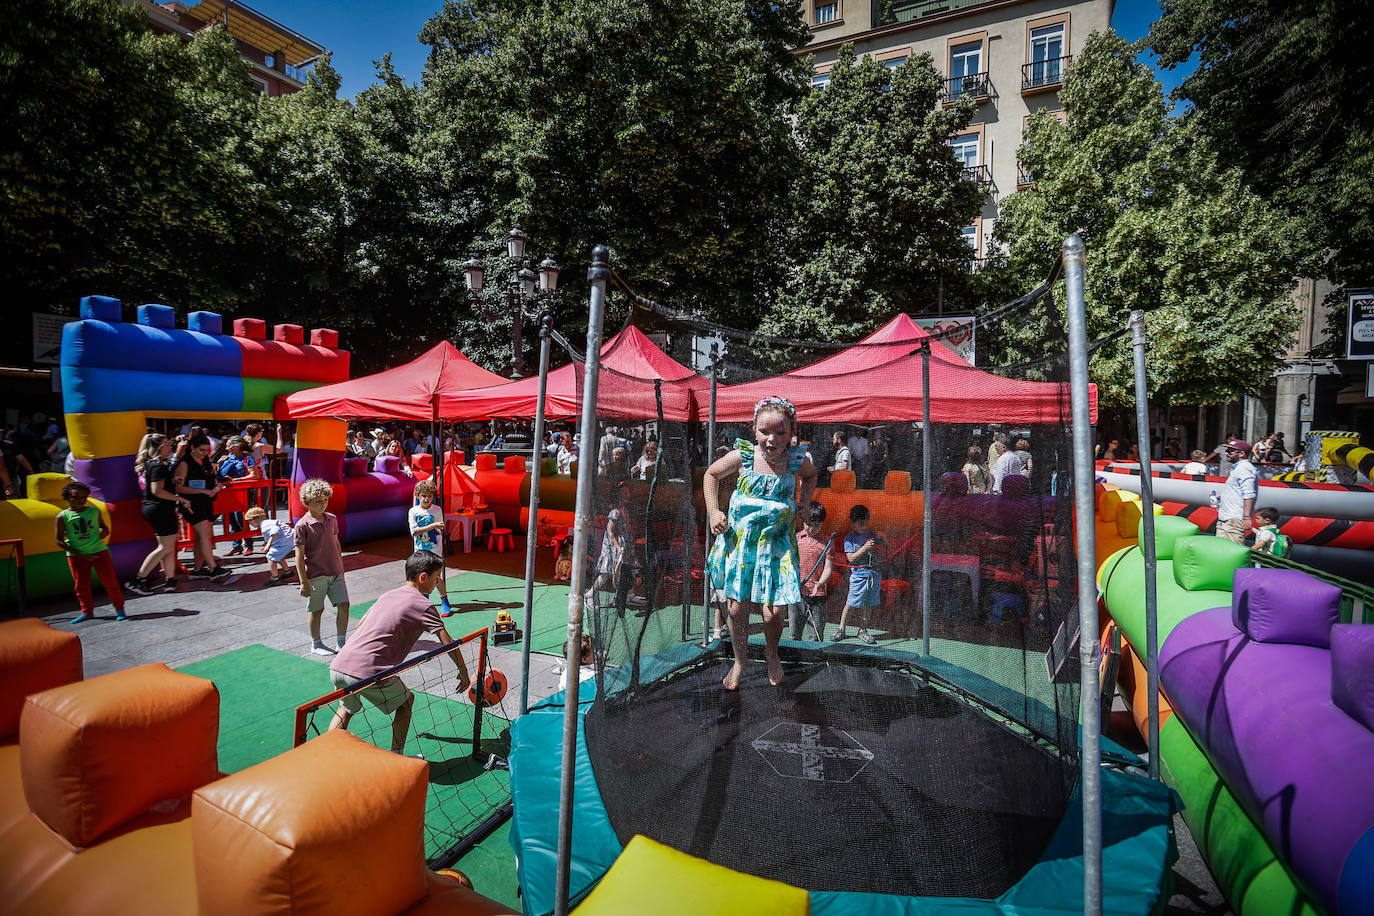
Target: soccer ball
(493,688)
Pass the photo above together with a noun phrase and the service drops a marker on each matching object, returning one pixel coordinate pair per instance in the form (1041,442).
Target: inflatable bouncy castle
(117,375)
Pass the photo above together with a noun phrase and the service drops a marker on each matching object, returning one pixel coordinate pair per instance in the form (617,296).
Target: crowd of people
(1271,449)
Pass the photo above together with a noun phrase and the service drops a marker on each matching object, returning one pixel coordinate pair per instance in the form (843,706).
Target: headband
(773,400)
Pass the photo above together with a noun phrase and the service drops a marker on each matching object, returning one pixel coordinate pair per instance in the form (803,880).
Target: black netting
(954,767)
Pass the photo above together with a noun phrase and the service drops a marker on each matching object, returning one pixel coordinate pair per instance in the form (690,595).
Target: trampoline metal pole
(1147,534)
(925,500)
(597,275)
(1089,649)
(710,459)
(532,532)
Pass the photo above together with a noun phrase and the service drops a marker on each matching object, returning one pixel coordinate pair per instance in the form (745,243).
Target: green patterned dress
(756,558)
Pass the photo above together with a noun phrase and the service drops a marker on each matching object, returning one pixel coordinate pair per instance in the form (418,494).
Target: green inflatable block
(1168,529)
(259,394)
(1123,589)
(1207,562)
(1246,868)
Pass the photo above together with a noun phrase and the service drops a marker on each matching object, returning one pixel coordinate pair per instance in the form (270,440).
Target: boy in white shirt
(427,527)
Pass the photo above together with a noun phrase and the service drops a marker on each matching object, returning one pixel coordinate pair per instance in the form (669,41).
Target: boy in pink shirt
(383,639)
(816,563)
(319,563)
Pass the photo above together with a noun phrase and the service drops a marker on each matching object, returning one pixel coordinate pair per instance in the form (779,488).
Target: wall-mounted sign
(958,333)
(47,337)
(1359,337)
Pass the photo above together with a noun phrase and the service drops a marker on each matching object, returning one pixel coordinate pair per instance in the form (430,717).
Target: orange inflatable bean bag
(96,754)
(335,826)
(33,657)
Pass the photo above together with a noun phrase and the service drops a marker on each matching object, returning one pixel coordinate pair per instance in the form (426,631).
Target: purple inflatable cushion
(355,467)
(1207,563)
(388,464)
(953,483)
(1285,606)
(1352,671)
(1016,486)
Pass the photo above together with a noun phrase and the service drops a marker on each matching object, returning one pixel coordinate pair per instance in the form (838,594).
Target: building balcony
(1044,75)
(978,264)
(980,175)
(888,12)
(1023,177)
(976,86)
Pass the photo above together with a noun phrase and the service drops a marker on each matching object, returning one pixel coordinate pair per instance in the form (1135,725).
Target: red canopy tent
(879,379)
(407,392)
(630,363)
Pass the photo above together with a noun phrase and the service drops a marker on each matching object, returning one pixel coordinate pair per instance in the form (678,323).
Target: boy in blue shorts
(427,528)
(865,582)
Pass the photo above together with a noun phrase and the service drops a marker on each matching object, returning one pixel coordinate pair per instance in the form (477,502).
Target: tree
(1282,88)
(878,202)
(658,128)
(1168,229)
(125,167)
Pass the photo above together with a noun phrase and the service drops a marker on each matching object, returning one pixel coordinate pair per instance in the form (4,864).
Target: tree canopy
(1169,228)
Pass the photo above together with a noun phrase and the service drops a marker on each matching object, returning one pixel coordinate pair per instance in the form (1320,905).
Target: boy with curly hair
(319,562)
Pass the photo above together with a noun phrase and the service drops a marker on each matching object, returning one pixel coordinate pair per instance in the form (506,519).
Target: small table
(464,524)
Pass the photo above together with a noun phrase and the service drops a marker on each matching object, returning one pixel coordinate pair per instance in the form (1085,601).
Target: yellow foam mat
(651,877)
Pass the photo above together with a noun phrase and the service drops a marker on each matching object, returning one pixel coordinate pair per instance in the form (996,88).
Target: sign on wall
(47,338)
(959,333)
(1359,337)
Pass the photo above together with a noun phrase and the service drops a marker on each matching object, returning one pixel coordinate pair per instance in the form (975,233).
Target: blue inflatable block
(205,322)
(152,315)
(101,308)
(107,345)
(89,390)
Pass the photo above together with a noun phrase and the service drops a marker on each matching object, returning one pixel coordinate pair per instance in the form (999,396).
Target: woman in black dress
(194,477)
(160,511)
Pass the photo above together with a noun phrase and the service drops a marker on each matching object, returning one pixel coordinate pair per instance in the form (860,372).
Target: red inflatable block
(275,359)
(127,522)
(289,333)
(325,337)
(250,328)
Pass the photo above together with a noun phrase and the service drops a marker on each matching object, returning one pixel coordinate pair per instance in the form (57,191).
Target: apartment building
(1010,56)
(279,56)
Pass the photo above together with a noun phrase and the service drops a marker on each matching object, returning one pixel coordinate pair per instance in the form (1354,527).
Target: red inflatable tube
(1302,529)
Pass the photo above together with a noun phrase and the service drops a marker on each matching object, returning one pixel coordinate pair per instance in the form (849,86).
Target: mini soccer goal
(463,736)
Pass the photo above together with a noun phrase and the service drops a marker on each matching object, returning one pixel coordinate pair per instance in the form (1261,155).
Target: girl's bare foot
(731,680)
(775,672)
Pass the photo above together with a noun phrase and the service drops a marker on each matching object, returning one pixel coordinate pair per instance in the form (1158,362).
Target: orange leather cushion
(33,657)
(447,896)
(98,753)
(335,826)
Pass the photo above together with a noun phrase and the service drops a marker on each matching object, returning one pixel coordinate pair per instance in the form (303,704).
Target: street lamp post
(520,291)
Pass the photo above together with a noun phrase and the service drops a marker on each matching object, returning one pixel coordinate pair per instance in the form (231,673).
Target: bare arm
(103,530)
(300,569)
(726,465)
(457,655)
(61,533)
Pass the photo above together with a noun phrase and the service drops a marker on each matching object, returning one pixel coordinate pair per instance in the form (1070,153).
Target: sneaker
(839,635)
(167,585)
(81,618)
(866,639)
(320,648)
(221,572)
(204,572)
(140,587)
(271,581)
(448,613)
(236,551)
(120,615)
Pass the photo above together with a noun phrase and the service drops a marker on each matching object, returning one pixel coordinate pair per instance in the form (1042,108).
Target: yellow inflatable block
(1110,503)
(329,435)
(651,877)
(1128,518)
(35,521)
(103,435)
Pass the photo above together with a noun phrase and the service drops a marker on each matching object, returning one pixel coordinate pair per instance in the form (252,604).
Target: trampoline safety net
(877,767)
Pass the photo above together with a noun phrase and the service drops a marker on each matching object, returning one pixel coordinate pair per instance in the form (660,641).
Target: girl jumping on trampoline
(754,559)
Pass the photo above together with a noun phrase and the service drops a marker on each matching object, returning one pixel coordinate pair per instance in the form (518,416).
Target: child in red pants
(82,533)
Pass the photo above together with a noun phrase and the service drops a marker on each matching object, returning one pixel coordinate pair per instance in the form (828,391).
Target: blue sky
(361,31)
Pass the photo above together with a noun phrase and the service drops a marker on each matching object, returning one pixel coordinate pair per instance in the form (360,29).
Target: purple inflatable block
(1285,606)
(326,464)
(953,483)
(388,464)
(1352,671)
(110,479)
(1297,764)
(129,556)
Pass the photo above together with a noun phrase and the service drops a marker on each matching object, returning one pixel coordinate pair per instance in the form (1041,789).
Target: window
(820,80)
(259,85)
(966,59)
(968,68)
(965,148)
(1047,53)
(826,12)
(970,234)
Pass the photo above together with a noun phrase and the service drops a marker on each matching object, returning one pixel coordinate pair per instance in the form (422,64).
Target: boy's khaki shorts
(388,694)
(331,587)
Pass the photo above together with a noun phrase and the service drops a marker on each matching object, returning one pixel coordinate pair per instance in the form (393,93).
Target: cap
(378,431)
(1239,445)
